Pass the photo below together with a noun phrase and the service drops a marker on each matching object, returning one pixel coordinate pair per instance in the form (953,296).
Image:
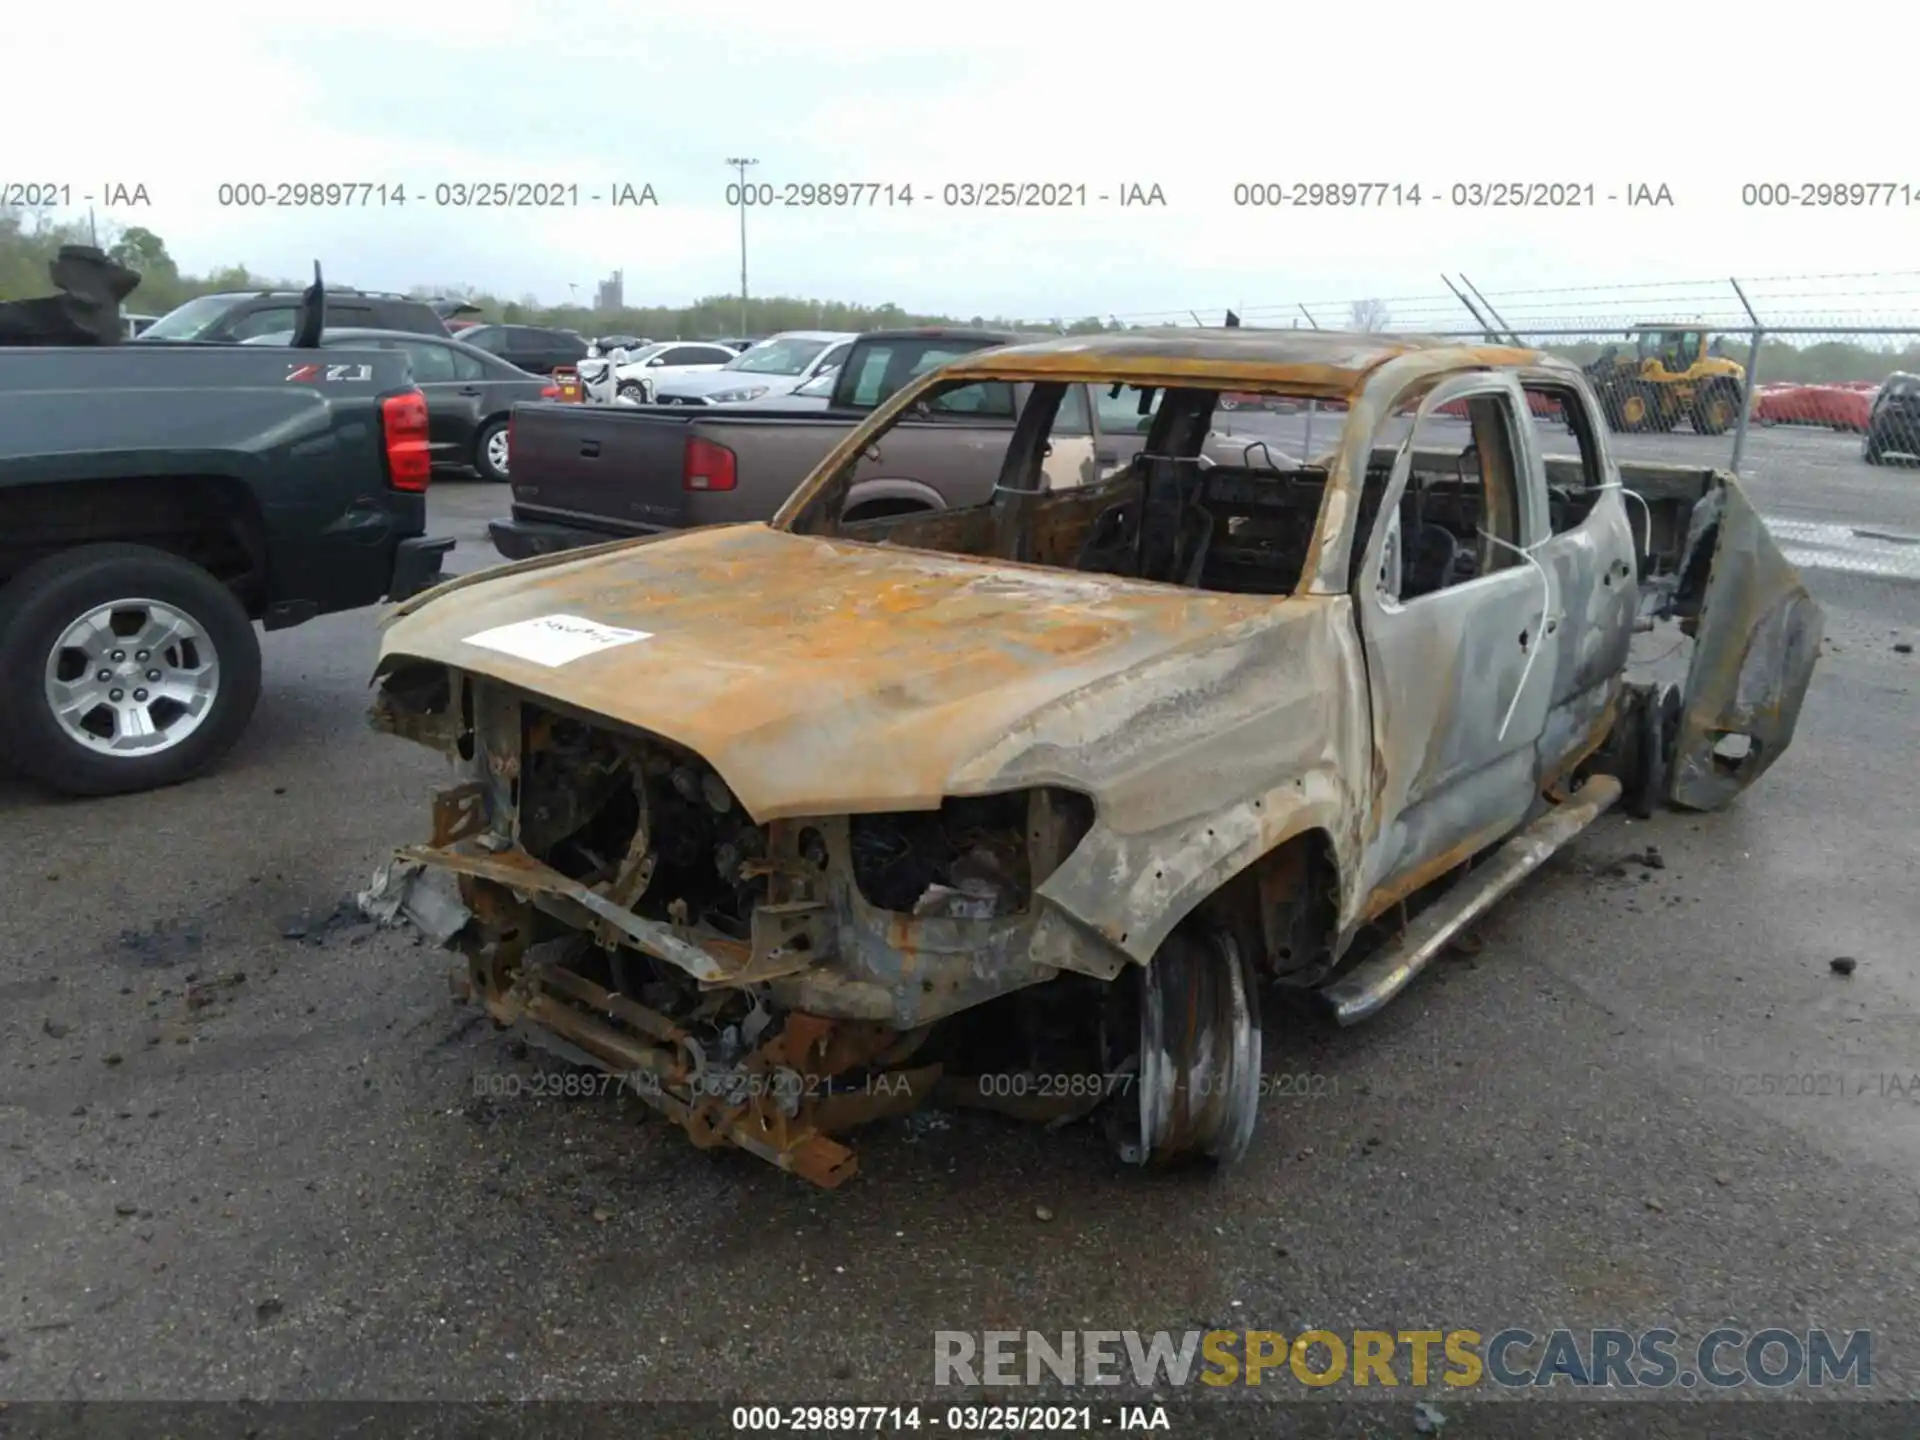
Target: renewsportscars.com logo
(1512,1358)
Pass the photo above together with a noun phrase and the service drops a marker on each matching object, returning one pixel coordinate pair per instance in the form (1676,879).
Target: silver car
(777,366)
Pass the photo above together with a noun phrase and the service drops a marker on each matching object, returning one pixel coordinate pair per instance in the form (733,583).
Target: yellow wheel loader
(1674,373)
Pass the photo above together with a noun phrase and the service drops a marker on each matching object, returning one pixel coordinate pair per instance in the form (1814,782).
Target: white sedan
(644,370)
(816,394)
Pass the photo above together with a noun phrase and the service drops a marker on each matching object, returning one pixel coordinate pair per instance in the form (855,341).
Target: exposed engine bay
(770,986)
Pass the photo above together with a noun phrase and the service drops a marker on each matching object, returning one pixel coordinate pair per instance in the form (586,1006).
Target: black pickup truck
(156,501)
(585,474)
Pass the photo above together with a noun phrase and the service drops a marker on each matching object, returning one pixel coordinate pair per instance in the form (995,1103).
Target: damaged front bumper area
(765,986)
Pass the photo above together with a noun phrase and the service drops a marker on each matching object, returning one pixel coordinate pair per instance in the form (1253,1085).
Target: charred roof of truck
(1331,363)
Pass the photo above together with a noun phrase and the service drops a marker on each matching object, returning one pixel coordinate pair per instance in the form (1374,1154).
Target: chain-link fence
(1741,373)
(1746,396)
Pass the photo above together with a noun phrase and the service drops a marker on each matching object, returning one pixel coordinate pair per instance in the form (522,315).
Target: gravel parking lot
(251,1148)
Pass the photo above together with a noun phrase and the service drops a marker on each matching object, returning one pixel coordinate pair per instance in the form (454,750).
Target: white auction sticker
(555,639)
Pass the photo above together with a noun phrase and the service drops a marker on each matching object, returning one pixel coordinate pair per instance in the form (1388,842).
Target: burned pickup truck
(803,823)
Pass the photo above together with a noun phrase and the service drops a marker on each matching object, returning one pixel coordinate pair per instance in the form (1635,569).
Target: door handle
(590,449)
(469,389)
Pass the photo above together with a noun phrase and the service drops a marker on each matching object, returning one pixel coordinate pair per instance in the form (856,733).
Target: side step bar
(1378,978)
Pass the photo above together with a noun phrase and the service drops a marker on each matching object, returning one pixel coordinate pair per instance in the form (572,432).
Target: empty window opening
(1458,518)
(1563,435)
(1113,479)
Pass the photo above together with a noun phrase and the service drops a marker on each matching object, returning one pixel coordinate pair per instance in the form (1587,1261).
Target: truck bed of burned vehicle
(801,824)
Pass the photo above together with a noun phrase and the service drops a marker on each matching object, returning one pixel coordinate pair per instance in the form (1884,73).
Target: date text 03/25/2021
(795,195)
(313,194)
(1325,194)
(977,194)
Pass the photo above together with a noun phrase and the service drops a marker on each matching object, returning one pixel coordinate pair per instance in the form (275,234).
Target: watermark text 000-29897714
(467,194)
(965,194)
(1322,193)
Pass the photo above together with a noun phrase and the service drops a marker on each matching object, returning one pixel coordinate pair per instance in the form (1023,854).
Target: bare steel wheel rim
(132,677)
(1198,1086)
(498,445)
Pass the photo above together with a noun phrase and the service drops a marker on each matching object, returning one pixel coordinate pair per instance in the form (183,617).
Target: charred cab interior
(1216,512)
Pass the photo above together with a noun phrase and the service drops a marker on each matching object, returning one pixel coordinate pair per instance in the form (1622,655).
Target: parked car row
(1885,413)
(710,372)
(234,316)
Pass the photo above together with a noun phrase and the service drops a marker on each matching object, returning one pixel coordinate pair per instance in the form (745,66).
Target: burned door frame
(1445,672)
(1593,568)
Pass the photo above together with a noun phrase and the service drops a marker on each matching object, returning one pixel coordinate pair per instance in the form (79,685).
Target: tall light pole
(740,164)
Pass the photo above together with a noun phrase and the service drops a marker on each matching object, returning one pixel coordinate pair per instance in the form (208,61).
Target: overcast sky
(1193,99)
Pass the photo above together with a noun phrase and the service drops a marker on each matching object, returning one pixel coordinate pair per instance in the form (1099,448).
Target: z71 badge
(327,373)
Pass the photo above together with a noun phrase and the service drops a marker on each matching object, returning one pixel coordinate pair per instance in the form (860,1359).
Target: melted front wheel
(1196,1090)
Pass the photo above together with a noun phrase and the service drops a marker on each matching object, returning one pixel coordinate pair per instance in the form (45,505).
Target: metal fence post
(1313,406)
(1753,370)
(1486,331)
(1511,337)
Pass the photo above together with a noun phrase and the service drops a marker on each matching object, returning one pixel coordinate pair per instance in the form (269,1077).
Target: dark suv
(534,348)
(245,315)
(1893,425)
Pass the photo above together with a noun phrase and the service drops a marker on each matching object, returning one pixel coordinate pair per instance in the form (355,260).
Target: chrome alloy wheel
(133,677)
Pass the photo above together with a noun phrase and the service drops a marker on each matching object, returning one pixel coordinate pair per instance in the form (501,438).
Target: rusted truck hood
(824,676)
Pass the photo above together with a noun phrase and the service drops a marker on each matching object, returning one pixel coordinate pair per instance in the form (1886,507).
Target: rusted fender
(1754,652)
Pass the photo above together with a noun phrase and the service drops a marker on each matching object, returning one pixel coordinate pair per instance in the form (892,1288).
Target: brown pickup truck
(583,475)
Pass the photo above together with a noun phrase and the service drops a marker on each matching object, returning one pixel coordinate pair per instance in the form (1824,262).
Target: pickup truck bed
(583,474)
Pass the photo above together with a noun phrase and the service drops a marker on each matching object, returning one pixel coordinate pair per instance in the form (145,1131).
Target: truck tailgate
(583,471)
(617,464)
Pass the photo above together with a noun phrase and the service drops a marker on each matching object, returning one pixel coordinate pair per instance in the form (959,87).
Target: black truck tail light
(409,460)
(708,466)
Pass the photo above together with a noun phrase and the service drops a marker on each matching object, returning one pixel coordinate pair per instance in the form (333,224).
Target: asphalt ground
(250,1148)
